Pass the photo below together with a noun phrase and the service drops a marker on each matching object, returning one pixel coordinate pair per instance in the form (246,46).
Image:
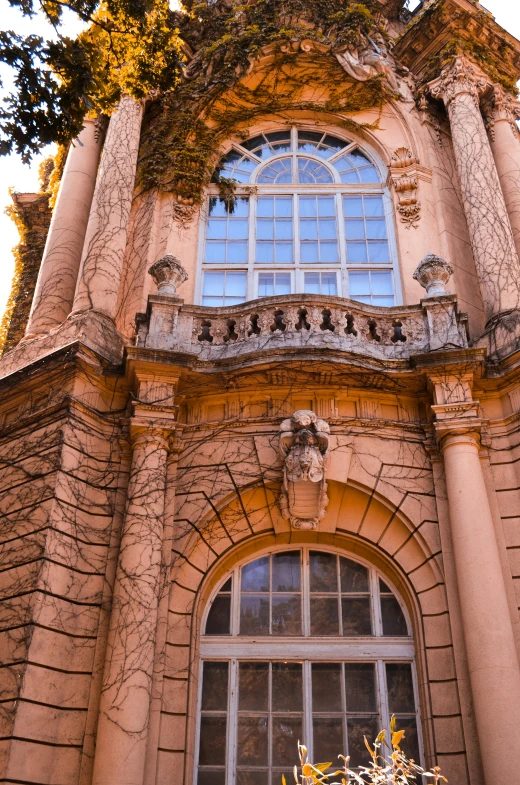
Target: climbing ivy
(292,44)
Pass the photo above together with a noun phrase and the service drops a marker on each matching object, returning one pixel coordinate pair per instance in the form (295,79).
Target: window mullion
(384,712)
(308,735)
(376,603)
(231,756)
(235,603)
(251,246)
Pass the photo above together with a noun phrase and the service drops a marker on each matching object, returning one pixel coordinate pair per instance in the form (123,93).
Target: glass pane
(349,177)
(309,253)
(215,686)
(254,615)
(253,686)
(356,616)
(410,743)
(212,747)
(237,253)
(286,566)
(328,283)
(265,206)
(226,586)
(354,230)
(387,302)
(357,158)
(287,686)
(356,253)
(287,731)
(324,616)
(308,230)
(283,206)
(311,283)
(354,577)
(219,616)
(310,136)
(360,686)
(265,230)
(326,687)
(327,229)
(236,284)
(284,253)
(378,252)
(373,206)
(323,575)
(369,175)
(376,230)
(286,614)
(283,286)
(255,575)
(329,253)
(359,283)
(252,740)
(358,728)
(394,622)
(400,687)
(211,777)
(217,207)
(284,230)
(382,283)
(328,739)
(253,777)
(383,588)
(307,206)
(215,252)
(264,253)
(266,284)
(326,206)
(216,230)
(353,206)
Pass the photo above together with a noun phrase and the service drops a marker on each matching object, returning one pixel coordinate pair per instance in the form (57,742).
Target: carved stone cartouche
(304,442)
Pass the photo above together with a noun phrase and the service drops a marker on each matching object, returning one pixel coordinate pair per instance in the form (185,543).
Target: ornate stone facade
(167,448)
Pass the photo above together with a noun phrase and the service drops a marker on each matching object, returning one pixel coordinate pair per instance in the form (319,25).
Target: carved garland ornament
(304,443)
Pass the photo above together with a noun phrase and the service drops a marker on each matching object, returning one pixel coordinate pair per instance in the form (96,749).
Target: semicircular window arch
(311,214)
(301,644)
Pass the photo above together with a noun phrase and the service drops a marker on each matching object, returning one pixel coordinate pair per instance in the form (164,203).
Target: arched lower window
(301,645)
(311,215)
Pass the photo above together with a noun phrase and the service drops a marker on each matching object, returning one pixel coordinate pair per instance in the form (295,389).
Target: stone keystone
(168,273)
(433,273)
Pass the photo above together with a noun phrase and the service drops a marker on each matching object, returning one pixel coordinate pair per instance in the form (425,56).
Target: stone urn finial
(168,273)
(433,273)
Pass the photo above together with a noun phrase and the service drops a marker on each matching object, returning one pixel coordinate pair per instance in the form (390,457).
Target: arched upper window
(301,644)
(311,215)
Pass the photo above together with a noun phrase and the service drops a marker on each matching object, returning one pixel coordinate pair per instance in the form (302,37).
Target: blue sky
(25,178)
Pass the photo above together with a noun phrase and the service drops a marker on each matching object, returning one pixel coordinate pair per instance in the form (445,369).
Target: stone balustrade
(301,320)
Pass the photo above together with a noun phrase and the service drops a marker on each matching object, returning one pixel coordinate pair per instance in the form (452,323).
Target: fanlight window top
(345,162)
(306,593)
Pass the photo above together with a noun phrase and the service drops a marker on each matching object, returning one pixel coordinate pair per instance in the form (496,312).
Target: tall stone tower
(260,440)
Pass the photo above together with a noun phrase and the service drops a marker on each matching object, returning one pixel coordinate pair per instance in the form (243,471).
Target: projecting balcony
(298,322)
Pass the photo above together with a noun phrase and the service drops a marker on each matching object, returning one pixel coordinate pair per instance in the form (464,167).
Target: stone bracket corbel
(405,173)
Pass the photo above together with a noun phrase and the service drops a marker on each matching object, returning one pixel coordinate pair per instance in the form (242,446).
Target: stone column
(505,144)
(62,255)
(498,266)
(127,683)
(103,253)
(486,621)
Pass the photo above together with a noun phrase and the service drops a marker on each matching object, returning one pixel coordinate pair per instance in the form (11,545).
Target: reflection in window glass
(320,283)
(274,230)
(263,695)
(318,235)
(223,288)
(354,167)
(227,232)
(270,284)
(371,287)
(365,230)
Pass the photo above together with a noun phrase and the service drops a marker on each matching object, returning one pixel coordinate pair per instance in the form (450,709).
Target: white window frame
(235,648)
(338,189)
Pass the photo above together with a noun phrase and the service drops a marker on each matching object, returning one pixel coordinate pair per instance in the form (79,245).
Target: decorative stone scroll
(403,171)
(168,273)
(304,442)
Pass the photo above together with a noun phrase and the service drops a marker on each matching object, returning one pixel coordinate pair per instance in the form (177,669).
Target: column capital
(153,429)
(501,107)
(458,423)
(461,76)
